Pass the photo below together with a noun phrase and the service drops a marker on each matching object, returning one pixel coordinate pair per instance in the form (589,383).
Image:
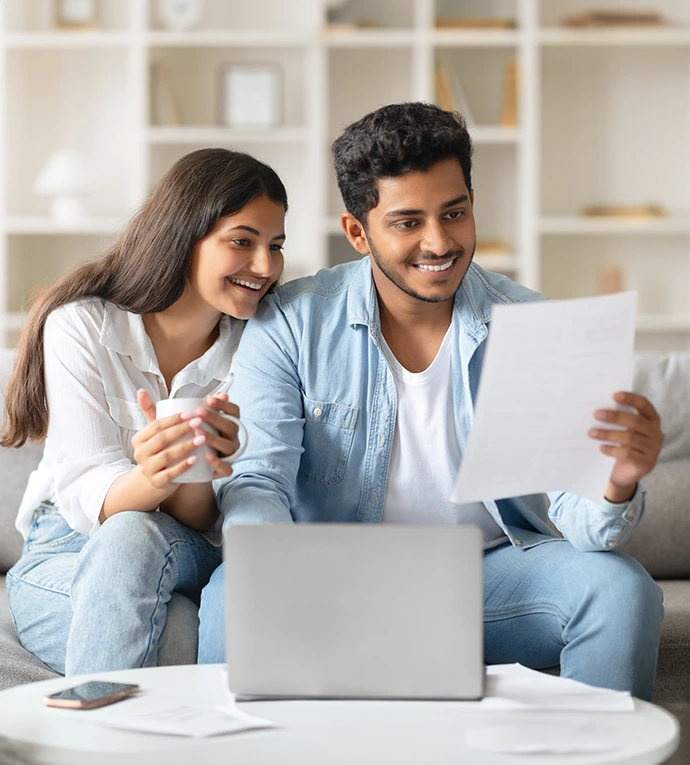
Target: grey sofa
(661,543)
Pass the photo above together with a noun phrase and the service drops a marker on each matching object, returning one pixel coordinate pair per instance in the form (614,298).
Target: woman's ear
(355,233)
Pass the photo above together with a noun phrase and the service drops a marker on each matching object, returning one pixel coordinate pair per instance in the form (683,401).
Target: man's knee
(623,589)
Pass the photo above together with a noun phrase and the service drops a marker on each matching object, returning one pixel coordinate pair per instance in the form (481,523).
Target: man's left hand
(636,447)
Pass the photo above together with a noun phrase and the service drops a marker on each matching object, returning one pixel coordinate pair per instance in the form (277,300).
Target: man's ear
(355,233)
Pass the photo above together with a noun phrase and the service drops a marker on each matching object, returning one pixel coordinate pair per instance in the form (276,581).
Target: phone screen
(91,691)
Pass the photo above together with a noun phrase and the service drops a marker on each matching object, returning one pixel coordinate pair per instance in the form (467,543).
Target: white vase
(179,15)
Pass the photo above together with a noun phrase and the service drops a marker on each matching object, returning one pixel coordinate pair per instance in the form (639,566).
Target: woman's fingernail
(195,422)
(199,440)
(186,415)
(191,460)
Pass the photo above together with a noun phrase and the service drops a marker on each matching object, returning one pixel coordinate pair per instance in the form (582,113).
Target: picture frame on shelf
(76,14)
(251,96)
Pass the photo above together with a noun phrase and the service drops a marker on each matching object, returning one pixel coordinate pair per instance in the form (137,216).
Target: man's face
(421,236)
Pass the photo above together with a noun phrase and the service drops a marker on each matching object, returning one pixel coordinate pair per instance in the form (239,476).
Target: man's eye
(406,224)
(455,214)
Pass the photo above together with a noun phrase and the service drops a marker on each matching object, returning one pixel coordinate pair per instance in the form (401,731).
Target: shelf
(669,36)
(368,38)
(661,323)
(574,225)
(37,225)
(471,38)
(484,134)
(221,135)
(247,39)
(65,40)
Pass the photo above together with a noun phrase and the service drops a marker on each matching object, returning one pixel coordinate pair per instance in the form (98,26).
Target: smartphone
(90,695)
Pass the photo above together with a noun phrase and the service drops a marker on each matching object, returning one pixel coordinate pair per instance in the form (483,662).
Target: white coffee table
(332,732)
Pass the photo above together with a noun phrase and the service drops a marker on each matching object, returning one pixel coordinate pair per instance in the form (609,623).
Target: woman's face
(237,262)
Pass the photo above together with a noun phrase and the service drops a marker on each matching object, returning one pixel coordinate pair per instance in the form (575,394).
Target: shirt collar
(472,301)
(123,332)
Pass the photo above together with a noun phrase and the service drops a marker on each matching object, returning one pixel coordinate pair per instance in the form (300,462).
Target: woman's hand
(158,457)
(227,441)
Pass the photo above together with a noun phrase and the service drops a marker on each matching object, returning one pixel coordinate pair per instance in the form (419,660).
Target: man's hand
(636,447)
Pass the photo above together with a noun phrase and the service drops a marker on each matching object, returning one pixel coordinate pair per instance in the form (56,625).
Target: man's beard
(400,283)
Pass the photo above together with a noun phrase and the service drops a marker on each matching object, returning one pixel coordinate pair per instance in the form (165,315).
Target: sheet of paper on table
(548,367)
(193,721)
(514,687)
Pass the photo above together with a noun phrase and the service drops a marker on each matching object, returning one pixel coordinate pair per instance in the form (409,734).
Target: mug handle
(243,440)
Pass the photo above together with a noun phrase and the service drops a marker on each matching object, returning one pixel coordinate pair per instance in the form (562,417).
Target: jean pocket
(50,532)
(329,430)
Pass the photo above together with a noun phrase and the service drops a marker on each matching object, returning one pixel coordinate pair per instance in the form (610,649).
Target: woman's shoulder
(85,314)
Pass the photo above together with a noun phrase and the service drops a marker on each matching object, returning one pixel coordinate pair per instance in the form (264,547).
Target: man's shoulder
(483,289)
(328,283)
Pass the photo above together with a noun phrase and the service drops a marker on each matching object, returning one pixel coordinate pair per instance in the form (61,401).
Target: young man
(357,387)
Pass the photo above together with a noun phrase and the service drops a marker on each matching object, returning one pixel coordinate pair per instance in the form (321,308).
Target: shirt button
(318,411)
(610,544)
(629,514)
(518,543)
(58,460)
(129,419)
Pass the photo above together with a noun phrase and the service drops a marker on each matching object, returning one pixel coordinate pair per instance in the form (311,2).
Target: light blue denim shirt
(319,403)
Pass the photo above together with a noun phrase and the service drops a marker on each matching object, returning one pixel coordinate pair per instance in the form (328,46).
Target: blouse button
(318,411)
(129,419)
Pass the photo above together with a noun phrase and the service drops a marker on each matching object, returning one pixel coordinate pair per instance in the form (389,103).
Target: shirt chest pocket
(329,429)
(126,413)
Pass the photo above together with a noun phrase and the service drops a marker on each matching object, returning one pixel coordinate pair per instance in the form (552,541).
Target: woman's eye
(241,242)
(276,247)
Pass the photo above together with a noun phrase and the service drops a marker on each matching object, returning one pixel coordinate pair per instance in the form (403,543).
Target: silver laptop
(354,611)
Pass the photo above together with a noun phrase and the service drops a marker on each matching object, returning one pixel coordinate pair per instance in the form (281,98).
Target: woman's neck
(180,335)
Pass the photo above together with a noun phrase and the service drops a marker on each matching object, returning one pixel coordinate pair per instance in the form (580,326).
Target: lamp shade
(65,172)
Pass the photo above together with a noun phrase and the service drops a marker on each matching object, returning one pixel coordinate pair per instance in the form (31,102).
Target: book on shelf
(509,97)
(624,211)
(475,22)
(614,18)
(492,247)
(450,94)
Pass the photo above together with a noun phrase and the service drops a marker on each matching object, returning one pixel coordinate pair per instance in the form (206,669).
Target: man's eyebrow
(252,231)
(458,200)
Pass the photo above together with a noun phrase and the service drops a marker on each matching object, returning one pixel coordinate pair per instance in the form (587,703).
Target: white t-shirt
(425,456)
(97,356)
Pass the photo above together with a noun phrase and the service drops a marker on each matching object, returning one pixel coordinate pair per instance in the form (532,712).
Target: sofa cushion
(662,540)
(665,380)
(15,467)
(17,665)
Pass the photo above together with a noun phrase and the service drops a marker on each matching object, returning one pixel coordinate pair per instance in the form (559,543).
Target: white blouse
(97,357)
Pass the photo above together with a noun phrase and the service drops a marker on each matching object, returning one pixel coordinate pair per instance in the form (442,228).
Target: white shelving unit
(604,118)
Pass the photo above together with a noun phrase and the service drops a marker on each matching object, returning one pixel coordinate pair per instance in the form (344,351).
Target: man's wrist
(617,495)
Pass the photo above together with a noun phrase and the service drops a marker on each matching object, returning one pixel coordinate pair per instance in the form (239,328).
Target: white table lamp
(64,178)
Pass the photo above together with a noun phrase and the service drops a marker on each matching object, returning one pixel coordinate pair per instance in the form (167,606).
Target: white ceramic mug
(201,471)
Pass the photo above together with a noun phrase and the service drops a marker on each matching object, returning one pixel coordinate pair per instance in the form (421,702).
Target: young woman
(160,315)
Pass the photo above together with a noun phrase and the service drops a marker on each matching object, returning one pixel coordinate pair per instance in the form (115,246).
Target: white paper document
(514,687)
(548,367)
(185,721)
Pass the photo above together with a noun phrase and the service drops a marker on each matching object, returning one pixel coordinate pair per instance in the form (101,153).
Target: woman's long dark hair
(144,272)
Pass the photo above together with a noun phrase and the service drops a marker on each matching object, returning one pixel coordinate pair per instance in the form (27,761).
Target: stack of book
(614,18)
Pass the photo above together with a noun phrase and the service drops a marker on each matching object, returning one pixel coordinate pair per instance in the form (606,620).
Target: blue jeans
(597,614)
(94,604)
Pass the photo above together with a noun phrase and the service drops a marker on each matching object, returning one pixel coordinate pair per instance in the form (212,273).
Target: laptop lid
(354,611)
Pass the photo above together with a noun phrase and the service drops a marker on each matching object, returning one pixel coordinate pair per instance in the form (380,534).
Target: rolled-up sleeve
(86,448)
(591,526)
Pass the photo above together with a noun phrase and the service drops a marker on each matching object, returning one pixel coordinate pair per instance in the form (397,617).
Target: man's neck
(414,329)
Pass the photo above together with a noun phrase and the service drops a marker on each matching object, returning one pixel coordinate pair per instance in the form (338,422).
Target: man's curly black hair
(392,141)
